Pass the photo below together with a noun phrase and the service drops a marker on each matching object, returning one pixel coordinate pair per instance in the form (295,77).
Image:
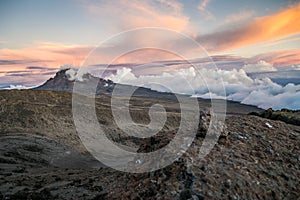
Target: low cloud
(289,68)
(238,86)
(15,87)
(260,66)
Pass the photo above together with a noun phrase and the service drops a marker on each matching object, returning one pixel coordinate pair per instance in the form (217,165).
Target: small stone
(153,181)
(227,184)
(269,125)
(138,161)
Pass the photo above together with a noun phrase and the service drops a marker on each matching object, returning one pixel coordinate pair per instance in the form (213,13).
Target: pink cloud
(282,24)
(136,14)
(280,58)
(48,54)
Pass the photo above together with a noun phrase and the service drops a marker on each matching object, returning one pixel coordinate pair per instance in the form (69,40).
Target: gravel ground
(41,156)
(253,161)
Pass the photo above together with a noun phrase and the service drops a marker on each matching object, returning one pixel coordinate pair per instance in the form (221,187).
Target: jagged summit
(65,78)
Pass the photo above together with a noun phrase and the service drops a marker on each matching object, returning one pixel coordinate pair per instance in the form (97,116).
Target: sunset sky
(38,36)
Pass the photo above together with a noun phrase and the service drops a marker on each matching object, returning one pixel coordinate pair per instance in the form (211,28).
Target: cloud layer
(260,66)
(135,14)
(279,25)
(15,87)
(208,83)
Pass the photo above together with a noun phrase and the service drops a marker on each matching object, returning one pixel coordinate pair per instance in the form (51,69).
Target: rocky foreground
(285,115)
(41,156)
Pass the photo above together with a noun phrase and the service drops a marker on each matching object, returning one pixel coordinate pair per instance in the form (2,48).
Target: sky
(39,36)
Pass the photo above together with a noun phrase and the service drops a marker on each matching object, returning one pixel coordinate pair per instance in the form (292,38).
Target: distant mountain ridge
(64,81)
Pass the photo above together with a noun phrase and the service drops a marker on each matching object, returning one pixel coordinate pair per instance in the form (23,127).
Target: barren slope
(254,158)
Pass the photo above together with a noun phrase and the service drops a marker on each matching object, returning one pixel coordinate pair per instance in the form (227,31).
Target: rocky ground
(41,156)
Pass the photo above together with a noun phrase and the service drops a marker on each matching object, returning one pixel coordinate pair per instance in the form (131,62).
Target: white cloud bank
(16,87)
(260,66)
(238,86)
(288,68)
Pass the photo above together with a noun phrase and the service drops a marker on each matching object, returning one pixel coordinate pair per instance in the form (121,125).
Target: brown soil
(41,156)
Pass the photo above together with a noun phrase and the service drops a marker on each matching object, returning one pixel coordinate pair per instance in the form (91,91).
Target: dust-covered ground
(41,156)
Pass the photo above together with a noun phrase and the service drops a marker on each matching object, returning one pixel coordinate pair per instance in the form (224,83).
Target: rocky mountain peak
(65,78)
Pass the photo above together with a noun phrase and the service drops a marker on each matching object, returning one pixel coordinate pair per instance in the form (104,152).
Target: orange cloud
(34,65)
(280,41)
(280,25)
(43,54)
(136,14)
(147,55)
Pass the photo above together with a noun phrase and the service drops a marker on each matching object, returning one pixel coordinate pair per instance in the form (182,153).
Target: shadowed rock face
(59,83)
